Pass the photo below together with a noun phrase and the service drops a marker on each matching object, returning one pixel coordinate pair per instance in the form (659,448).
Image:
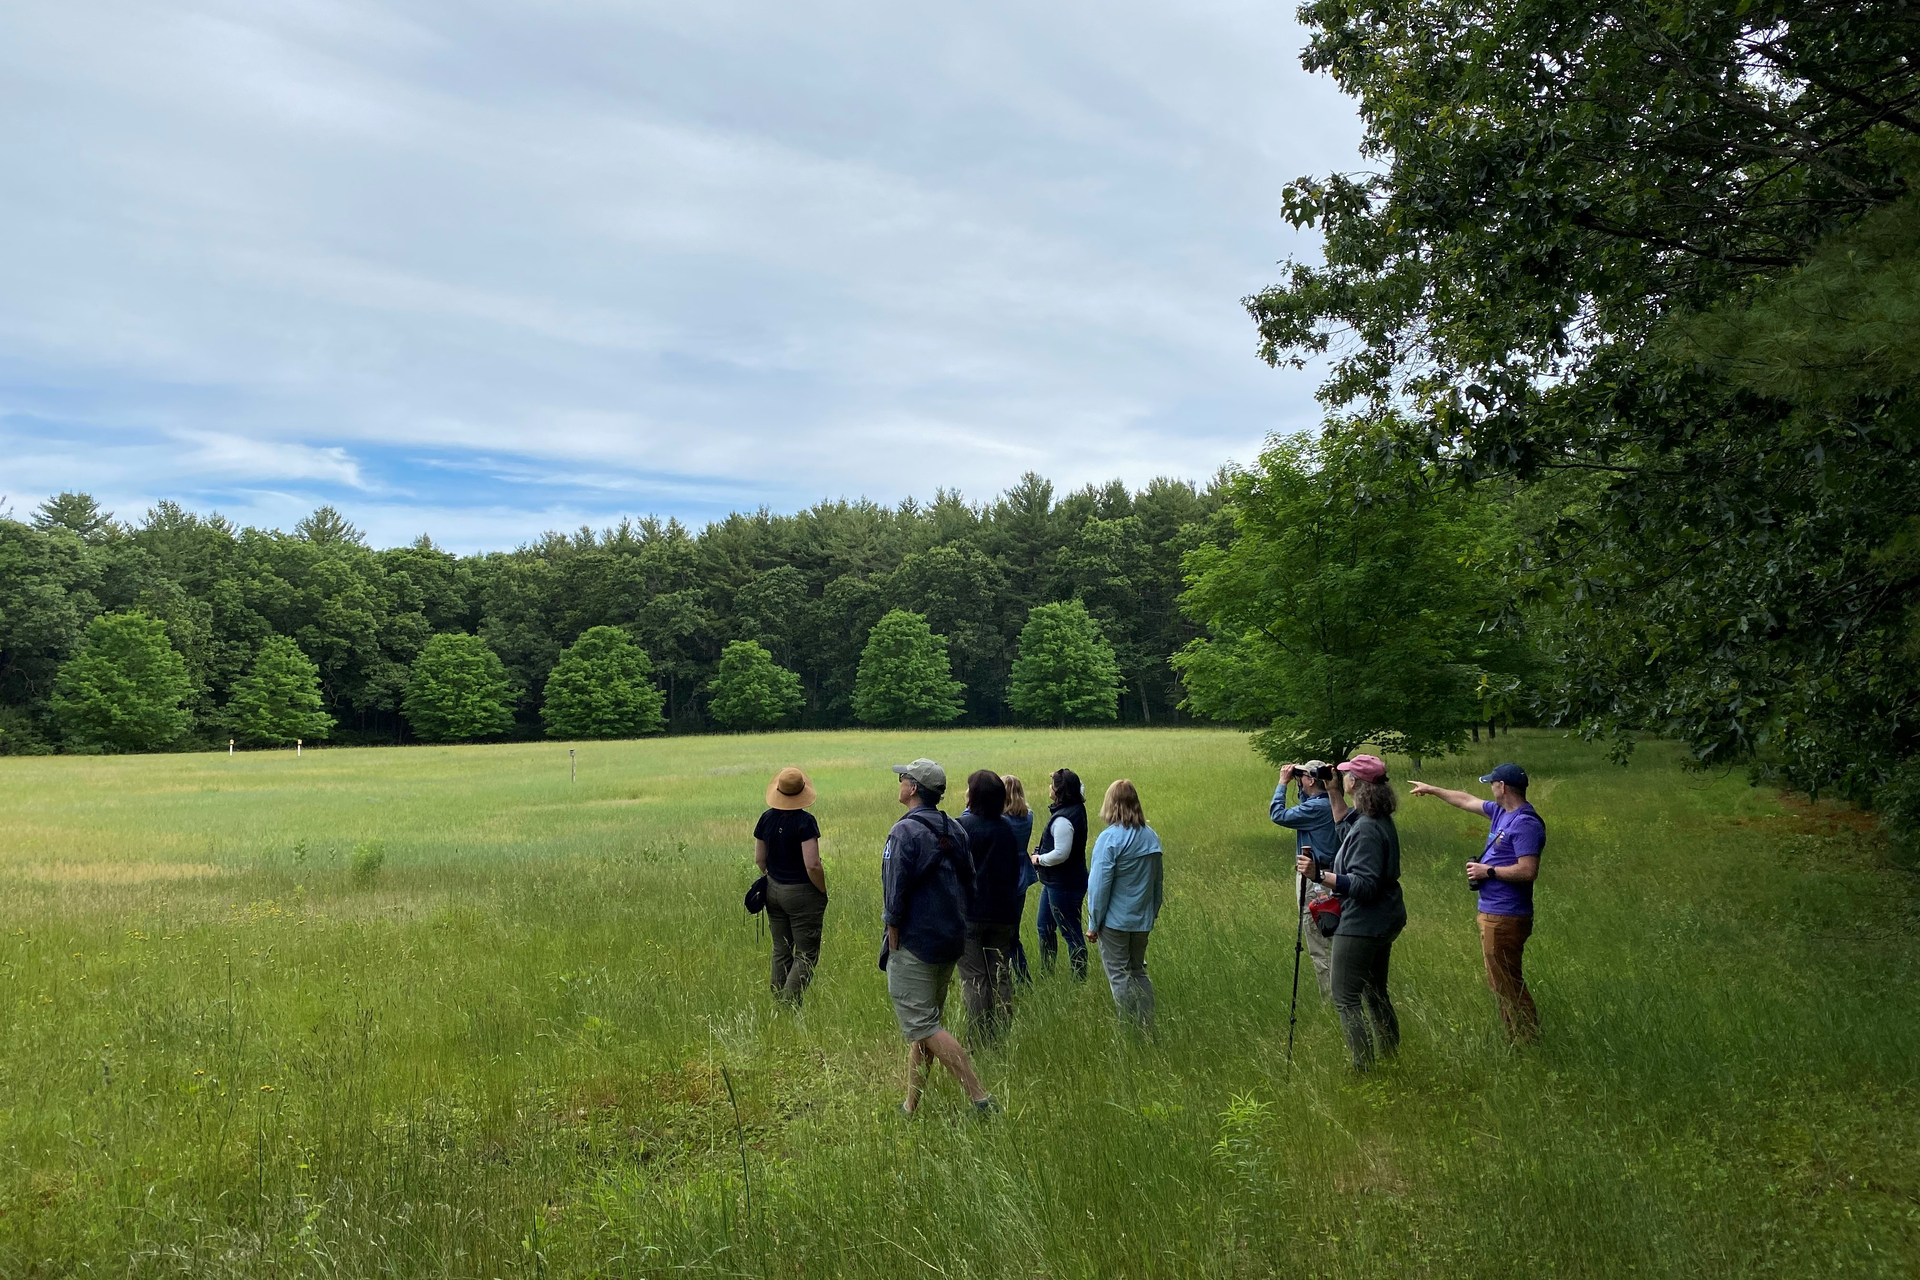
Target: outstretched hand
(1425,789)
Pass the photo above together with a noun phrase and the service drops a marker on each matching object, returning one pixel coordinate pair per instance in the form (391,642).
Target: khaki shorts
(919,992)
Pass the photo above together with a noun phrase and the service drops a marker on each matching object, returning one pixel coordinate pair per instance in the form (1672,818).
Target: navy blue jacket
(998,893)
(925,889)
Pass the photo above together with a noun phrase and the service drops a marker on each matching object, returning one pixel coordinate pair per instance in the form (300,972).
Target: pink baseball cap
(1369,767)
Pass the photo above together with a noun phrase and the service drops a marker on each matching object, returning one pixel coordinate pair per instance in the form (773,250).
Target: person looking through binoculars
(1318,820)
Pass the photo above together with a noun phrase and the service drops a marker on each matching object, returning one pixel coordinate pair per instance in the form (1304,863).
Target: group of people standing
(954,891)
(1347,859)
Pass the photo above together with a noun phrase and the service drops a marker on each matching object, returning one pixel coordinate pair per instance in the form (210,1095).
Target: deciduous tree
(458,690)
(905,678)
(278,700)
(750,691)
(1066,671)
(1672,248)
(1337,615)
(126,689)
(602,687)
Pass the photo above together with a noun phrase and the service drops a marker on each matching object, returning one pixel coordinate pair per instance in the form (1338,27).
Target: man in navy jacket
(926,882)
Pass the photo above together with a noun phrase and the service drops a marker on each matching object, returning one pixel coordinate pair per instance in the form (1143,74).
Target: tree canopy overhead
(1657,259)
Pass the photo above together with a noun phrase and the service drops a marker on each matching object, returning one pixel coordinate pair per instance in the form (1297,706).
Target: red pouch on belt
(1326,915)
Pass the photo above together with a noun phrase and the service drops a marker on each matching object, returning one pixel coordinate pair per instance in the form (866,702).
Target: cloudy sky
(480,268)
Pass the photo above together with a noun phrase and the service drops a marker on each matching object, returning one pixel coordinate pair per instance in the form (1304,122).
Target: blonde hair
(1121,808)
(1016,797)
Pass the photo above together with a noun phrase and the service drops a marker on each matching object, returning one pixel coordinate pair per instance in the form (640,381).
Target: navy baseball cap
(1511,774)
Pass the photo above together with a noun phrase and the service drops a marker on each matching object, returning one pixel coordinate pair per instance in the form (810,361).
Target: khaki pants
(795,916)
(1319,945)
(1503,943)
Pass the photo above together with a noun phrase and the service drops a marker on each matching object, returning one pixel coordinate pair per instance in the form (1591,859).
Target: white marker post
(296,748)
(229,746)
(573,767)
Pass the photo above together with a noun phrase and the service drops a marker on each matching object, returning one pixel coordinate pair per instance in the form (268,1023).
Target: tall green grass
(441,1012)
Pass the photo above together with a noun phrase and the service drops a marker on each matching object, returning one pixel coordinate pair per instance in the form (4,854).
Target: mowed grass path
(509,1054)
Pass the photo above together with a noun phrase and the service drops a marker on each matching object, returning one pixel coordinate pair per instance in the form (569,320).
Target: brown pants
(1503,941)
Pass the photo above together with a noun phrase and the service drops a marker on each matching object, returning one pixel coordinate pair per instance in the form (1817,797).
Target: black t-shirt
(785,830)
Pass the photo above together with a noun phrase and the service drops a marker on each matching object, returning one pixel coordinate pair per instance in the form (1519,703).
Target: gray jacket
(1368,867)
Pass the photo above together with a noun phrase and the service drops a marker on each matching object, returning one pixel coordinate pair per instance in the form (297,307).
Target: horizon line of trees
(1109,605)
(183,629)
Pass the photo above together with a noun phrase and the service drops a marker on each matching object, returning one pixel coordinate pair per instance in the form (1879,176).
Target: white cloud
(654,252)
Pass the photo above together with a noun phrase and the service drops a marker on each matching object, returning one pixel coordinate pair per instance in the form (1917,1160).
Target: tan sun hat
(790,790)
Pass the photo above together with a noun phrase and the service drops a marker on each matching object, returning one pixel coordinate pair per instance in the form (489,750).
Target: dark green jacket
(1368,885)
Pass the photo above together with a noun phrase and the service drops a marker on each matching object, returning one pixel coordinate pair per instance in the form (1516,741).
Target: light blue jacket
(1124,888)
(1311,822)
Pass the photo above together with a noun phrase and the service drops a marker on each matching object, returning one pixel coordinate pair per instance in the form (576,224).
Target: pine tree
(278,700)
(750,690)
(1066,670)
(459,690)
(125,689)
(905,677)
(602,687)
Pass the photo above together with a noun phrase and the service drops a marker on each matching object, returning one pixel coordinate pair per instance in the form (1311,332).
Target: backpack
(949,850)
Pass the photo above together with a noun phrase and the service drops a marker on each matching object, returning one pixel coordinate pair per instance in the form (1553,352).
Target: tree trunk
(1146,712)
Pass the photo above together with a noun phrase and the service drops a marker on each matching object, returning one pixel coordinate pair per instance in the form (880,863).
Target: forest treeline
(808,588)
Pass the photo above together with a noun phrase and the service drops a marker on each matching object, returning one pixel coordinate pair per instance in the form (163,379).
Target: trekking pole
(1299,944)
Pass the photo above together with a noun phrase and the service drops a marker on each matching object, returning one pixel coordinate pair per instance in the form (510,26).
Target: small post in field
(296,748)
(573,767)
(229,746)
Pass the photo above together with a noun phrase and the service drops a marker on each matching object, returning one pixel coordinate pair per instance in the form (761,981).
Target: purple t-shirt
(1516,835)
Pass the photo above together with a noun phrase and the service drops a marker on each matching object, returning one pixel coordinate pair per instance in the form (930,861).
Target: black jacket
(997,896)
(1368,865)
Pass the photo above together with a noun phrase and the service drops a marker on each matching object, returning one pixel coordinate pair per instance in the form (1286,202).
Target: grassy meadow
(441,1011)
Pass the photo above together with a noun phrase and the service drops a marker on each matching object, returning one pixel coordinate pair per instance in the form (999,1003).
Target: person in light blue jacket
(1124,892)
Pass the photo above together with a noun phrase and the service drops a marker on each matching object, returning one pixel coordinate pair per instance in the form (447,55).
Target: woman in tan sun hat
(786,846)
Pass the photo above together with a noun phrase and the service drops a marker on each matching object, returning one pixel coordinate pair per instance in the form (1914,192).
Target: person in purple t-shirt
(1503,876)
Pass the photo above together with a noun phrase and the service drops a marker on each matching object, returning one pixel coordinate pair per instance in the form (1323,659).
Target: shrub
(368,857)
(602,688)
(1899,805)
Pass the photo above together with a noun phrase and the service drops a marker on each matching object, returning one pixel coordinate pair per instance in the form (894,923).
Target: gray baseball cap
(925,772)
